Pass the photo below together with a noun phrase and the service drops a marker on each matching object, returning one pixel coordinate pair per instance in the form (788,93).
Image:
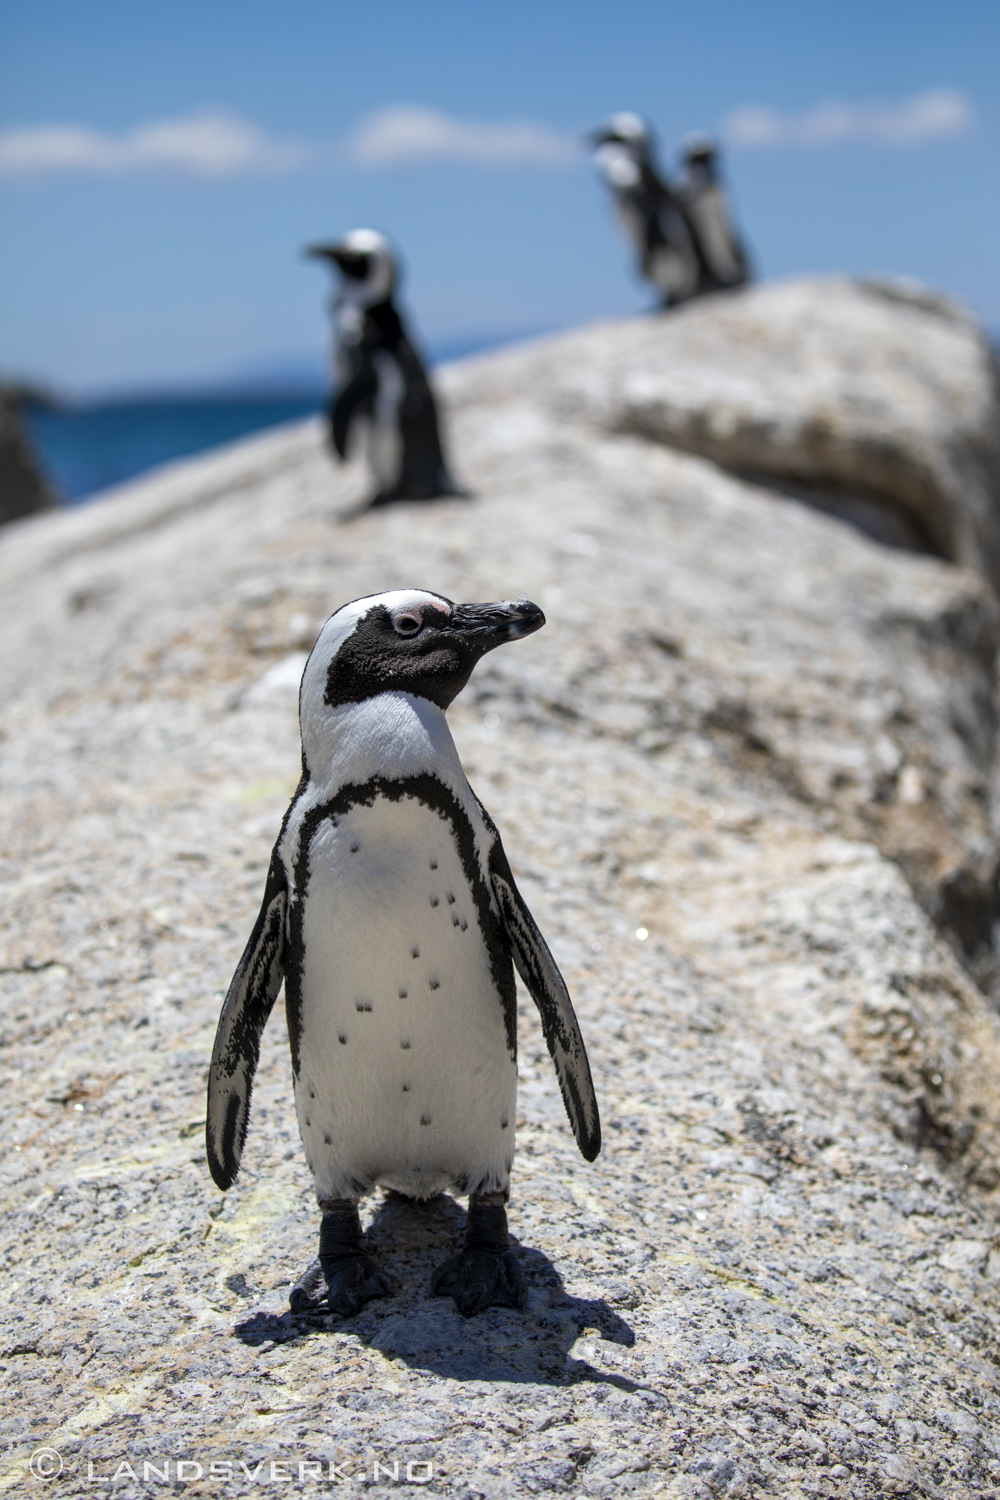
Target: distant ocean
(84,447)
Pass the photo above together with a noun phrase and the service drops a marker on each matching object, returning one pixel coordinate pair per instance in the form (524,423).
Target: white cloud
(409,134)
(211,144)
(216,144)
(940,114)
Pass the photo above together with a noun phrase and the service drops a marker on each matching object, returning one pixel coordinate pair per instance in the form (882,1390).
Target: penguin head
(622,147)
(625,129)
(367,265)
(407,641)
(699,154)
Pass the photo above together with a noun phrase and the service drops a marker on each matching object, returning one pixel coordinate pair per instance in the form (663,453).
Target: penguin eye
(406,624)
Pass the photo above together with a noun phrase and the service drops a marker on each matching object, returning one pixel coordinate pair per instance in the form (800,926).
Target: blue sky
(162,164)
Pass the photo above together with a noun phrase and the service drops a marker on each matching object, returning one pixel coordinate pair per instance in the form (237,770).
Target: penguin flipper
(547,988)
(247,1005)
(361,388)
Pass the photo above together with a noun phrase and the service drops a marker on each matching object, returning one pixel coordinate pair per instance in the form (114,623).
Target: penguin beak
(352,263)
(485,626)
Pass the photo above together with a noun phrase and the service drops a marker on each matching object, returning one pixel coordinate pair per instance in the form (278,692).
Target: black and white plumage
(380,376)
(392,916)
(704,196)
(653,215)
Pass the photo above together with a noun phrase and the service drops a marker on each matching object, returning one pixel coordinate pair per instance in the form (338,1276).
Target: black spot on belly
(434,864)
(414,952)
(355,848)
(308,1121)
(312,1093)
(425,1119)
(362,1004)
(402,993)
(456,920)
(435,901)
(327,1141)
(435,984)
(432,793)
(406,1088)
(405,1043)
(464,925)
(503,1123)
(451,899)
(342,1038)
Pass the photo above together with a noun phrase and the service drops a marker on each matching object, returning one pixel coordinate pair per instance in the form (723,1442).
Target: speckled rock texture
(734,774)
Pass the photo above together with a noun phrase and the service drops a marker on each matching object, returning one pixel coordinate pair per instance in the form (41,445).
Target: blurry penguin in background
(724,256)
(655,218)
(380,376)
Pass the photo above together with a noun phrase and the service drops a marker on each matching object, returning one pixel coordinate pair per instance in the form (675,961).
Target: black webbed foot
(351,1281)
(480,1278)
(441,487)
(449,488)
(345,1276)
(486,1273)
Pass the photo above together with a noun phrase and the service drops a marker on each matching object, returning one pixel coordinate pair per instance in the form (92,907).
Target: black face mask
(425,651)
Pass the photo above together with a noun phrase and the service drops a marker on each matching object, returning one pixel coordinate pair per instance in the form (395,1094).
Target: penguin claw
(479,1277)
(352,1280)
(309,1292)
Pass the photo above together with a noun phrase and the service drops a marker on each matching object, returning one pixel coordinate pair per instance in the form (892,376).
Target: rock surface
(876,400)
(749,732)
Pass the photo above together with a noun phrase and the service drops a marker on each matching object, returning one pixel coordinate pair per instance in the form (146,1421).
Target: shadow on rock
(427,1333)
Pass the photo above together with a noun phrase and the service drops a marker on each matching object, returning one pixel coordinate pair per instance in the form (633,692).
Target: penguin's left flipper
(547,988)
(248,1004)
(346,402)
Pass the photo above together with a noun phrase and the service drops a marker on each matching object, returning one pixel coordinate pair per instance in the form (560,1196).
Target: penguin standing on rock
(708,209)
(653,215)
(392,916)
(380,375)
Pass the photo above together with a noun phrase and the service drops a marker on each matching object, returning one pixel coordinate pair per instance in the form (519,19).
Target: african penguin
(725,257)
(654,217)
(392,916)
(380,376)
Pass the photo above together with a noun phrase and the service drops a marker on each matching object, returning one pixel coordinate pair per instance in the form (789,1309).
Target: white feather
(420,1095)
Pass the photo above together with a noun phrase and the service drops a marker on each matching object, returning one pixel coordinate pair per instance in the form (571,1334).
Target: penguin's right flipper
(547,988)
(248,1004)
(363,386)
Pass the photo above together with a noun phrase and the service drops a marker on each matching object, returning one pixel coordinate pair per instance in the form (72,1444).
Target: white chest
(405,1076)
